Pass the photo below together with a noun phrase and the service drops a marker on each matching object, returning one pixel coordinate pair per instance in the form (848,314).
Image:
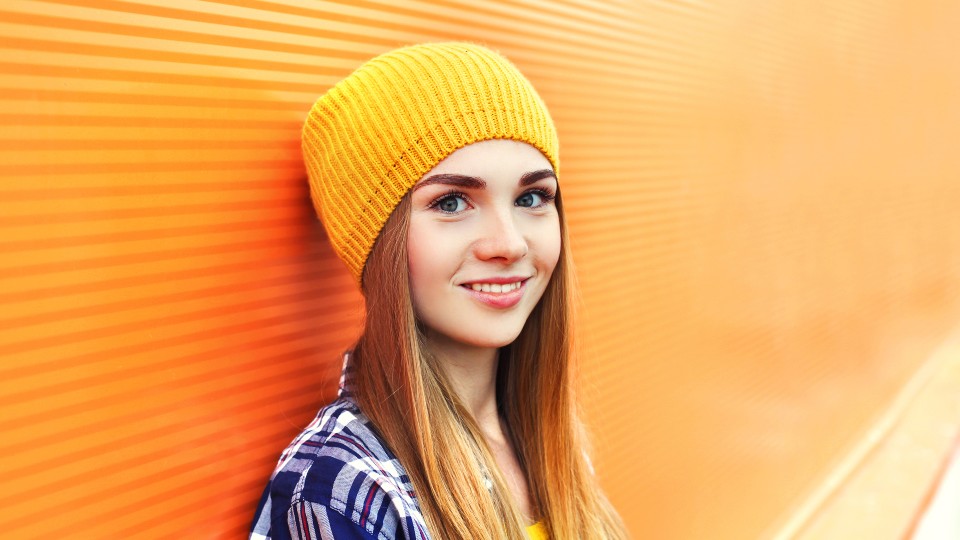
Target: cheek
(548,246)
(429,259)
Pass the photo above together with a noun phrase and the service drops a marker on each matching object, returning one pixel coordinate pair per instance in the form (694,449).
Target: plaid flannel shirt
(337,479)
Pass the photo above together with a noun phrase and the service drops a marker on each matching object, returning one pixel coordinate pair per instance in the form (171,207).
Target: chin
(495,342)
(487,340)
(479,334)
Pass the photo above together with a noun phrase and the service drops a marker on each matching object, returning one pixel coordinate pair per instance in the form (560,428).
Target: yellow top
(537,531)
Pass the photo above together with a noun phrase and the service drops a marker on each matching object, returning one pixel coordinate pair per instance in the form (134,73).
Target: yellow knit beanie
(369,139)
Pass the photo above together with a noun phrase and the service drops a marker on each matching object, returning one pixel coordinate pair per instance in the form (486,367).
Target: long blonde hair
(402,390)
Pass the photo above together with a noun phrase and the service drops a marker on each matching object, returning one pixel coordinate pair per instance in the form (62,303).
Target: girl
(434,171)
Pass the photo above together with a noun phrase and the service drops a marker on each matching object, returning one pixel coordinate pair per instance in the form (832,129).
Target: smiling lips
(496,287)
(498,293)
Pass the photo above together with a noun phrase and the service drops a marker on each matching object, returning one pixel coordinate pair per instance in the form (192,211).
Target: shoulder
(338,470)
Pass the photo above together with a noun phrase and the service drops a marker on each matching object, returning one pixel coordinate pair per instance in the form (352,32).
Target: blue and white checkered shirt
(337,479)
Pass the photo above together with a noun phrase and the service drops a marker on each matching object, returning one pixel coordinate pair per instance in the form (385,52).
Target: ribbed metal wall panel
(762,197)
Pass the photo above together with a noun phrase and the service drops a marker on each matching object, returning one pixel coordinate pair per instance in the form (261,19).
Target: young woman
(434,170)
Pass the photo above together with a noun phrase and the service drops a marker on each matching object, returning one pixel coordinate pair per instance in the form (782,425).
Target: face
(483,240)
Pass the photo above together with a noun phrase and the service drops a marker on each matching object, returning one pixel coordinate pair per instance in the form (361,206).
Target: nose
(501,238)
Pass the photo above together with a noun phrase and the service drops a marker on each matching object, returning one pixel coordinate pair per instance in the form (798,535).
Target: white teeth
(495,287)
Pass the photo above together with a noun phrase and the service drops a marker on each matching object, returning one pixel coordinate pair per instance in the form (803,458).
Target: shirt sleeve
(314,521)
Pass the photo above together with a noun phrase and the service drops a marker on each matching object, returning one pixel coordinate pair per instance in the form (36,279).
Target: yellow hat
(372,136)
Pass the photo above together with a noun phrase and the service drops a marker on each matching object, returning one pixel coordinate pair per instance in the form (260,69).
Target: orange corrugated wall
(763,198)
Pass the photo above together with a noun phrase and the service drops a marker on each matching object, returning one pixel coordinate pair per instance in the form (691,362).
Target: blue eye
(534,199)
(450,204)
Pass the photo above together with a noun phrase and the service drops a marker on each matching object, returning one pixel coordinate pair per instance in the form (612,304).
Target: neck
(472,371)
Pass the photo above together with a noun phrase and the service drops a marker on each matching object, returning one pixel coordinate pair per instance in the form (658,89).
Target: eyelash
(544,194)
(547,196)
(436,202)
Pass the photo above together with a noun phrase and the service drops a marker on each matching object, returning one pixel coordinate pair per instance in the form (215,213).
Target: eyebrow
(473,182)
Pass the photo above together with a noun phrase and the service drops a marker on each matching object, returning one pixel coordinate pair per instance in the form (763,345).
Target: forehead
(492,160)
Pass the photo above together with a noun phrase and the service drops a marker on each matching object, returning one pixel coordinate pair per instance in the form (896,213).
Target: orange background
(762,195)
